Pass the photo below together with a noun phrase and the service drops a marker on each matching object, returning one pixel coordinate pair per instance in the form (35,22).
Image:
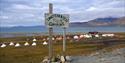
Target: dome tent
(17,45)
(34,44)
(11,44)
(26,44)
(3,45)
(34,39)
(45,43)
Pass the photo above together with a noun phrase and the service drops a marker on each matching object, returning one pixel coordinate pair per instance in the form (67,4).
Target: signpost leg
(50,43)
(64,41)
(50,35)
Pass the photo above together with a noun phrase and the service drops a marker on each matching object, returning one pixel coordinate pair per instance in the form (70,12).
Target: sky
(31,12)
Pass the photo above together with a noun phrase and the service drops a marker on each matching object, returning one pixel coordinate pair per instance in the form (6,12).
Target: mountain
(120,21)
(108,21)
(99,22)
(102,21)
(23,29)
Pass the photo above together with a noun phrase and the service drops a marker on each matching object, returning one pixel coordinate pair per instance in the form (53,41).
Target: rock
(62,59)
(46,60)
(68,58)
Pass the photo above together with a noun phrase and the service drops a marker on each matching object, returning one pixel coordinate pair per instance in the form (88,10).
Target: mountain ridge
(107,21)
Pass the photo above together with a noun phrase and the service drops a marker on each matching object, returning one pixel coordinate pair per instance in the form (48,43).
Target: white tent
(3,45)
(34,44)
(67,37)
(76,37)
(108,35)
(59,38)
(17,45)
(87,36)
(11,44)
(96,35)
(34,39)
(81,36)
(104,35)
(47,38)
(53,38)
(45,43)
(26,44)
(44,39)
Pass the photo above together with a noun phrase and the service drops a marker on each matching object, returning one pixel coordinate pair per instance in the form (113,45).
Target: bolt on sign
(56,20)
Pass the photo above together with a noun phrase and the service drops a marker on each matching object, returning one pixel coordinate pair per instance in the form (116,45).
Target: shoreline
(24,34)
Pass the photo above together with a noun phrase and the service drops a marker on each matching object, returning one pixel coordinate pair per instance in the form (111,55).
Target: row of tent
(80,36)
(90,36)
(59,38)
(25,44)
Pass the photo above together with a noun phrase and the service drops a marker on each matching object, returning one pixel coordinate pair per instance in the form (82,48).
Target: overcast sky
(31,12)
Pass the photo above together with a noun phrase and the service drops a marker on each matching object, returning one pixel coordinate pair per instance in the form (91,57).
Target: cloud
(4,17)
(20,6)
(30,13)
(91,9)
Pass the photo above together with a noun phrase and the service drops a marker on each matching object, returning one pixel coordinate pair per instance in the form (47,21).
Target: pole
(50,34)
(64,41)
(50,8)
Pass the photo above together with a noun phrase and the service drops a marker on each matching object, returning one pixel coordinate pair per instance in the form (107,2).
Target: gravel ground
(115,56)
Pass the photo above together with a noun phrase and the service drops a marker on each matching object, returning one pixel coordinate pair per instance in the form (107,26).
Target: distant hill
(109,21)
(120,21)
(99,22)
(23,29)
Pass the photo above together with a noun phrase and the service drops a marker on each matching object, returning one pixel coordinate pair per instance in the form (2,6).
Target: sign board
(56,20)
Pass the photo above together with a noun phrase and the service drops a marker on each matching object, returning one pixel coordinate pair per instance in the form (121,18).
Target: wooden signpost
(56,20)
(50,34)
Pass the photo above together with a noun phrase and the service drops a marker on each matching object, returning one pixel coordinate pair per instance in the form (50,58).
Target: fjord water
(70,29)
(12,32)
